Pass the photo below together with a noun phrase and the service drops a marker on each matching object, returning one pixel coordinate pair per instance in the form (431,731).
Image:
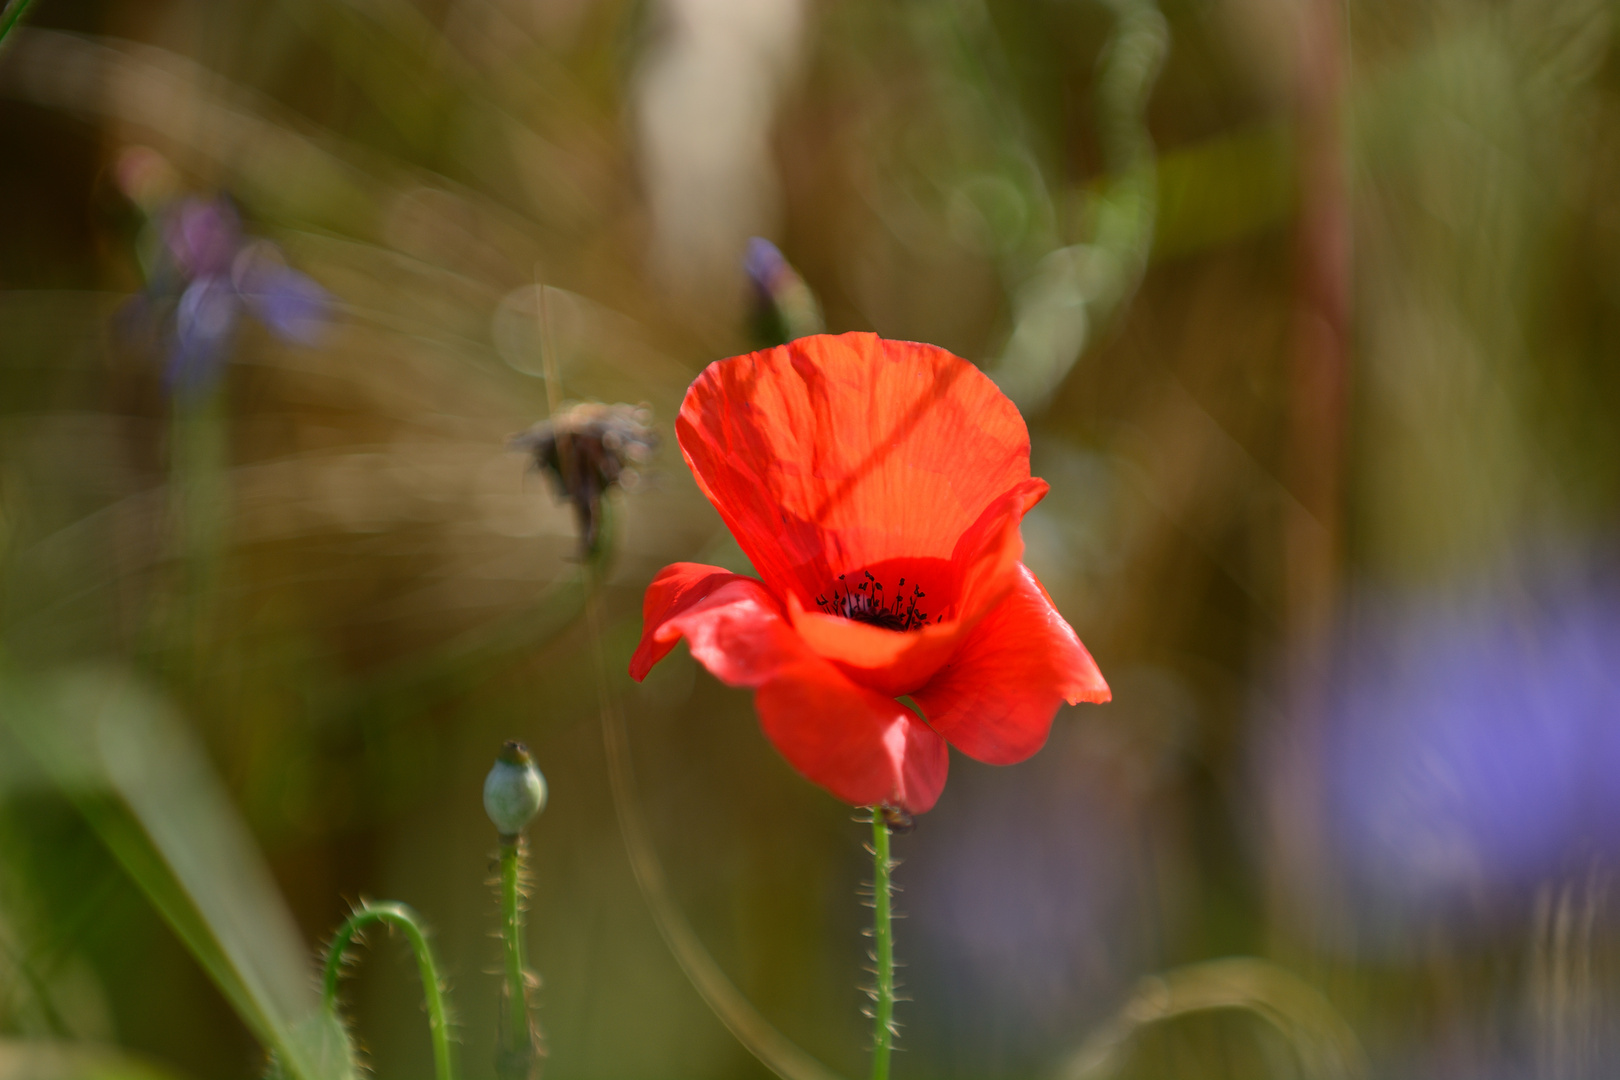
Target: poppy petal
(996,699)
(677,587)
(830,454)
(987,553)
(864,748)
(732,625)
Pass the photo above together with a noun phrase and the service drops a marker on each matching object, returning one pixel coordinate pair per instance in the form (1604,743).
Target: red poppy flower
(877,486)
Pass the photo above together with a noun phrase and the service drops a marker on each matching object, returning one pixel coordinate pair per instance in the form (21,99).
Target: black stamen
(868,603)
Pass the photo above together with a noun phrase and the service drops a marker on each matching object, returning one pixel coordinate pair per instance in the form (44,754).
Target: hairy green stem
(519,1049)
(882,948)
(393,914)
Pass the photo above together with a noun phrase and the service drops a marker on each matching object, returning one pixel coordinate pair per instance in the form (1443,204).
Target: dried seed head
(587,448)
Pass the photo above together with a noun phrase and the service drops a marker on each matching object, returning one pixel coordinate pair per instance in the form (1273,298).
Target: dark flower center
(868,602)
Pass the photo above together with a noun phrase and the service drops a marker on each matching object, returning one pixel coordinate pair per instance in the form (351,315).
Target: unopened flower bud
(514,790)
(785,308)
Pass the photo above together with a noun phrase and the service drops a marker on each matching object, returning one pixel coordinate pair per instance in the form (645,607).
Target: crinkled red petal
(682,589)
(988,553)
(859,745)
(830,454)
(864,748)
(996,698)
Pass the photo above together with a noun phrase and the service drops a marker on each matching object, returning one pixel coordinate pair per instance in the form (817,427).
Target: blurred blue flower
(1473,748)
(289,303)
(204,323)
(205,273)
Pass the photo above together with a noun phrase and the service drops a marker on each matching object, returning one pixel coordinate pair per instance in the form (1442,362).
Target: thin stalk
(519,1047)
(399,915)
(882,948)
(178,627)
(549,365)
(756,1034)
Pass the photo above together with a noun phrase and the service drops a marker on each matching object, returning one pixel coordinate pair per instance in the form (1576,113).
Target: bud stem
(518,1053)
(882,948)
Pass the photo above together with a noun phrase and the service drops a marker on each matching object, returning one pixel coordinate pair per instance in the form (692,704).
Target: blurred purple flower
(202,235)
(1473,749)
(765,265)
(218,272)
(1027,897)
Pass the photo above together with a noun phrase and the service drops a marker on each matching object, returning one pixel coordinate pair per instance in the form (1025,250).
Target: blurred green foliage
(259,649)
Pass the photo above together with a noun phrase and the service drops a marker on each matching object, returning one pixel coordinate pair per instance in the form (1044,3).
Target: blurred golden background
(1311,309)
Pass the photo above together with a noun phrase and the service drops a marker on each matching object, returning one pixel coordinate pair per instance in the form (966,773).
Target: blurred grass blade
(1326,1047)
(119,751)
(11,15)
(1076,289)
(29,1059)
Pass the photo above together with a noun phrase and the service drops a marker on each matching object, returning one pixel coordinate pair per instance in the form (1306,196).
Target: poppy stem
(882,948)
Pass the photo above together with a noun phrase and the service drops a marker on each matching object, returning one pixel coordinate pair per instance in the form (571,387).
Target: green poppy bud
(514,790)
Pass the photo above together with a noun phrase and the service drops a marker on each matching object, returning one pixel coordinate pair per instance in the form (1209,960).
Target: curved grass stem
(398,915)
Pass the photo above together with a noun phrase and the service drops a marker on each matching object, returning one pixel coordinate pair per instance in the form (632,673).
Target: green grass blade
(12,14)
(119,751)
(39,1059)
